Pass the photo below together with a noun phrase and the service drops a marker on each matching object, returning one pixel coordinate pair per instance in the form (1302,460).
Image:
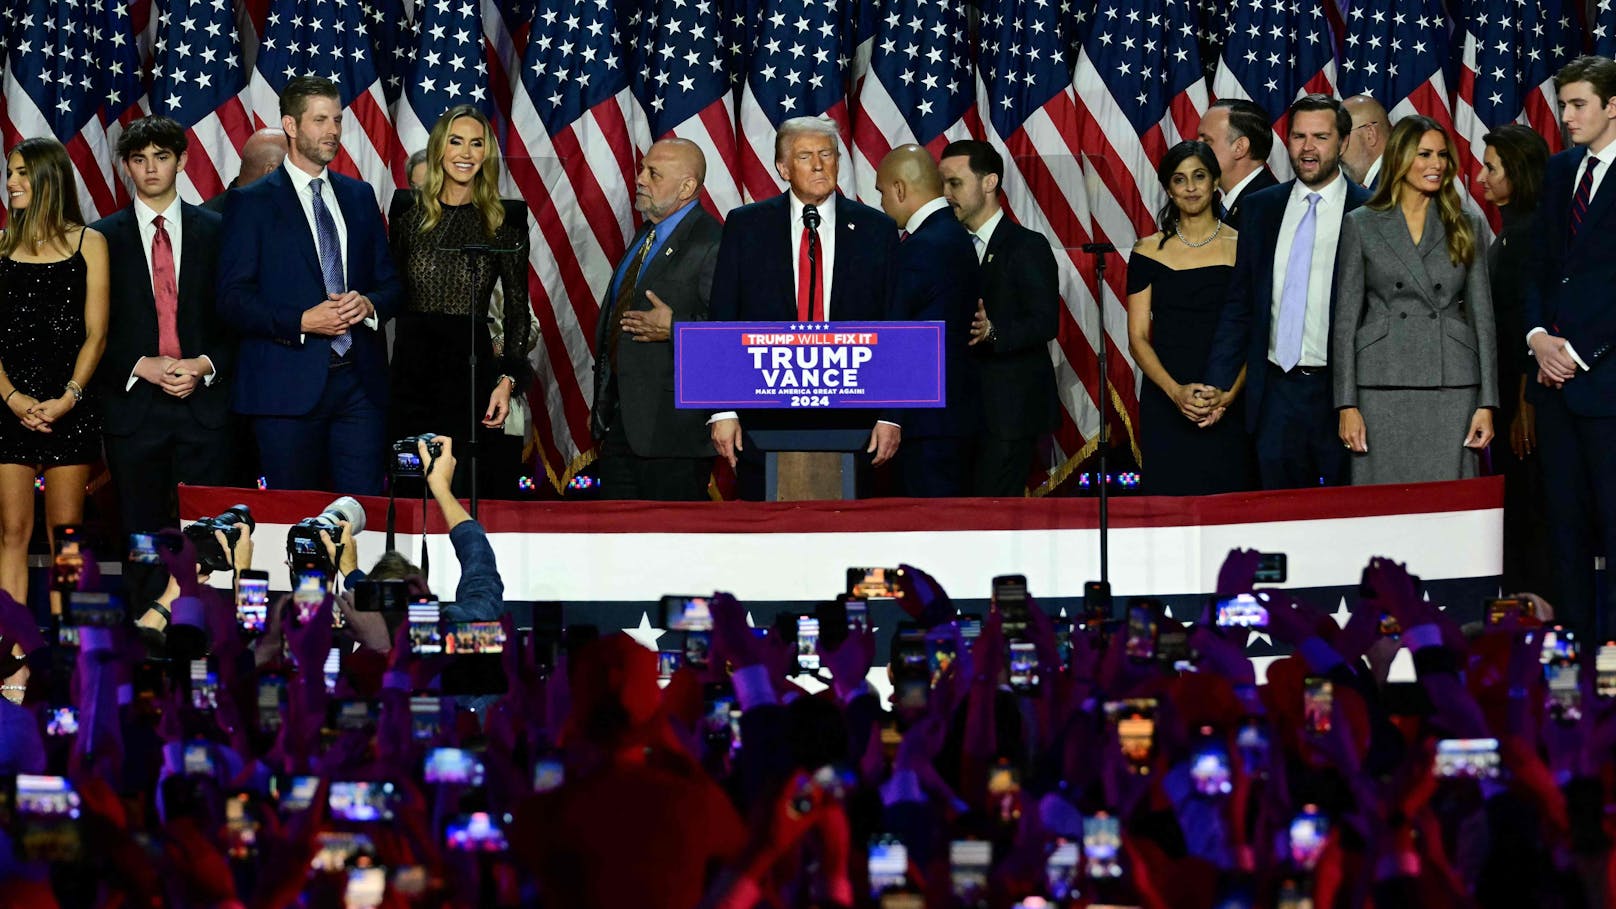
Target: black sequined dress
(41,332)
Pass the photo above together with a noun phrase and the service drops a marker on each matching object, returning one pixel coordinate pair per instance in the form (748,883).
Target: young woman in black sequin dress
(53,327)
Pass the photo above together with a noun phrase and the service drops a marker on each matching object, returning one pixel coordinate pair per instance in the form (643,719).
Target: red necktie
(809,310)
(165,289)
(1579,202)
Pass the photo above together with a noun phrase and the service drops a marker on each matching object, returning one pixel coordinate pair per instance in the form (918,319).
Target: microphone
(810,218)
(1093,248)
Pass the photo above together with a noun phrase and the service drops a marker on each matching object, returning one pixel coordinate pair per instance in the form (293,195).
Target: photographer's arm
(480,595)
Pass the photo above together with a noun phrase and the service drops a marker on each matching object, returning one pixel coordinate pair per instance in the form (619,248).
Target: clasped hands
(1201,404)
(174,376)
(39,415)
(1555,366)
(337,313)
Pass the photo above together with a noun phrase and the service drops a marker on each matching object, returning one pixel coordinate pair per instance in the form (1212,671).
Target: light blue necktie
(1293,299)
(325,235)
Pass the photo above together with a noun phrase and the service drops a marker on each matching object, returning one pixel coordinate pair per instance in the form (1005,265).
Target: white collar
(145,214)
(989,226)
(827,210)
(924,212)
(301,178)
(1605,155)
(1233,194)
(1374,171)
(1332,193)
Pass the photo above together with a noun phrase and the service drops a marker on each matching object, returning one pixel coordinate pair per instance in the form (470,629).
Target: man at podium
(806,255)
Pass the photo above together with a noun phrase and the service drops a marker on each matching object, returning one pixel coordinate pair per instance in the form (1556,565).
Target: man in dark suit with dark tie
(1571,319)
(306,277)
(808,255)
(1241,140)
(164,375)
(937,280)
(649,449)
(1275,330)
(1016,319)
(261,155)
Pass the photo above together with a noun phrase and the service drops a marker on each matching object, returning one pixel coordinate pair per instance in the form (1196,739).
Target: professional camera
(210,556)
(303,546)
(407,455)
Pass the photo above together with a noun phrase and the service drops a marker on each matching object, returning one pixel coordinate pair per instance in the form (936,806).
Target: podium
(789,380)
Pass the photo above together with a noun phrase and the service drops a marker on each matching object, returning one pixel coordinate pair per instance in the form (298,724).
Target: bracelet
(510,379)
(14,390)
(75,389)
(13,687)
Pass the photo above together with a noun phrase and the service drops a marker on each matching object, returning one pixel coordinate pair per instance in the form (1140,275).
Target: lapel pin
(852,227)
(990,257)
(668,251)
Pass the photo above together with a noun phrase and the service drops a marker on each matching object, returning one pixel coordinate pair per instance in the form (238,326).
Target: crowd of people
(1007,759)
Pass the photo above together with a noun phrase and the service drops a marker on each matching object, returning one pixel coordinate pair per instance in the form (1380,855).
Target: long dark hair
(1169,215)
(53,209)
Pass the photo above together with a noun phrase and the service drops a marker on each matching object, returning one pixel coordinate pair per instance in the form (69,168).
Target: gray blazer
(1406,316)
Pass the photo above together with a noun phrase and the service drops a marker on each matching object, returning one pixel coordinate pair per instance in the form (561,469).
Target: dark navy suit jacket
(1242,335)
(753,278)
(1570,285)
(269,273)
(938,280)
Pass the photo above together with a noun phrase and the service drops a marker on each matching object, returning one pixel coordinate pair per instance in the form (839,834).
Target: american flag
(198,79)
(1274,53)
(1140,91)
(1505,62)
(447,68)
(1401,67)
(1028,109)
(798,68)
(327,38)
(1604,31)
(72,72)
(392,39)
(572,155)
(681,75)
(918,87)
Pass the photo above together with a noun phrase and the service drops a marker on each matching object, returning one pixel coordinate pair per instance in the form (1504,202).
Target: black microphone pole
(1099,251)
(810,220)
(477,315)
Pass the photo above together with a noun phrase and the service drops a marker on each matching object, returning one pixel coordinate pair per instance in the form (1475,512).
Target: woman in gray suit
(1413,346)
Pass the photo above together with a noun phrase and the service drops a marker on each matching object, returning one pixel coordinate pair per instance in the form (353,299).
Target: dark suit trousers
(1002,466)
(169,448)
(934,468)
(1298,436)
(625,475)
(1579,479)
(336,446)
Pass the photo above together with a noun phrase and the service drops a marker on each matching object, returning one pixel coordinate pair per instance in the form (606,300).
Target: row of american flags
(1084,96)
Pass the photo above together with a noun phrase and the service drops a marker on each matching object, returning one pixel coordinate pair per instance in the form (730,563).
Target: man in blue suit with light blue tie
(1571,329)
(306,278)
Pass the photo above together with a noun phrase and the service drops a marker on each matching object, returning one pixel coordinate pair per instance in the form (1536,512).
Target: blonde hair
(53,206)
(485,189)
(1401,149)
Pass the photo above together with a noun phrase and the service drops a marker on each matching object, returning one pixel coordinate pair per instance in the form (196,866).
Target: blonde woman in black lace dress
(458,205)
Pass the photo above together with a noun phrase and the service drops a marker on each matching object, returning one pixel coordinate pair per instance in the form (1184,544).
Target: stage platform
(609,563)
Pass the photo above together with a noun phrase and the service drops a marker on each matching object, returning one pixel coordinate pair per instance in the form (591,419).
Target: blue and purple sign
(821,365)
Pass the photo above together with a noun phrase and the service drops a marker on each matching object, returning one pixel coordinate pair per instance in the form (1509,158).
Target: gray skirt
(1416,435)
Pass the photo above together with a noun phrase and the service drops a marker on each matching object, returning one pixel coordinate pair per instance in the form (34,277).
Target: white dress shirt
(922,213)
(146,221)
(1373,172)
(1233,194)
(1332,205)
(305,198)
(827,244)
(984,236)
(1606,157)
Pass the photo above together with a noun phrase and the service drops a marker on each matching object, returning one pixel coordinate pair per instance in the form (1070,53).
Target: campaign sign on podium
(808,366)
(803,373)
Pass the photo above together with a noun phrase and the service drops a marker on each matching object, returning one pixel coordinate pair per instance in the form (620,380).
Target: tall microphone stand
(1099,251)
(477,315)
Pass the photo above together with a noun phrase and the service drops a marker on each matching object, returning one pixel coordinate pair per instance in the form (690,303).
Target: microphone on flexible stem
(810,220)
